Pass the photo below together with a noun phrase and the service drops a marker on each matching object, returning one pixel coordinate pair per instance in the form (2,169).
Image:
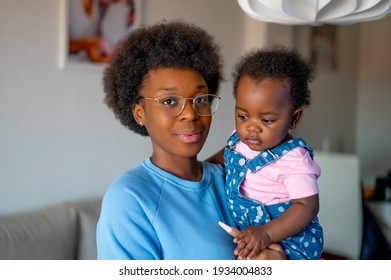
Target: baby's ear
(296,117)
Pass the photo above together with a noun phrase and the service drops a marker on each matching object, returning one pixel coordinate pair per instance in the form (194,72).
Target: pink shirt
(293,176)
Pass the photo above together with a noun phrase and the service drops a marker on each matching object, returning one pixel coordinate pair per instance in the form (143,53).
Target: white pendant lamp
(316,12)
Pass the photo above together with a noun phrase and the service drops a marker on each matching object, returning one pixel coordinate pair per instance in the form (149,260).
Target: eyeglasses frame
(218,98)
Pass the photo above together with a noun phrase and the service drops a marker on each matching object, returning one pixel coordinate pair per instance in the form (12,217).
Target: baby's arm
(255,238)
(217,157)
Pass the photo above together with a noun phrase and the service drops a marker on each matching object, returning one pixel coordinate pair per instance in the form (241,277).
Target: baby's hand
(251,241)
(272,252)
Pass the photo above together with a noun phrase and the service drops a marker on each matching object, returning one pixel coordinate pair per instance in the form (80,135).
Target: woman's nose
(189,111)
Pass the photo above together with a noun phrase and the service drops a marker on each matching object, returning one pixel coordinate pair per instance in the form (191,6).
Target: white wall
(58,141)
(373,134)
(331,116)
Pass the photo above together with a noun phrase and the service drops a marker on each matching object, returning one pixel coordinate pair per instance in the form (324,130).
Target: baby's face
(263,112)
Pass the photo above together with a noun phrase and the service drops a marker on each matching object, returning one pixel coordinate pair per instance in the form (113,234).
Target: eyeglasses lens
(204,105)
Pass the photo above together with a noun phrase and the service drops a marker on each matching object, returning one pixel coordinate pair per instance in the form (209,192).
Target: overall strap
(268,156)
(233,140)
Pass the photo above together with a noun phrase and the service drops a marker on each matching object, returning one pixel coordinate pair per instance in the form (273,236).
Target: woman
(163,83)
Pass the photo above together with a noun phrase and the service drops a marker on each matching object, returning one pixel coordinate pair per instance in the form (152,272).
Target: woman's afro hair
(173,44)
(281,63)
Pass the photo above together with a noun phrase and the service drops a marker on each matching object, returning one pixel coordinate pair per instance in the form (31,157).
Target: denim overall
(307,244)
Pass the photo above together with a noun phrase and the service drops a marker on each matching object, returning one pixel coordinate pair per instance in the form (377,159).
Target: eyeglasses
(173,105)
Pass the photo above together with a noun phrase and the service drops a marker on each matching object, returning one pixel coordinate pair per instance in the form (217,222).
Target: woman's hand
(273,252)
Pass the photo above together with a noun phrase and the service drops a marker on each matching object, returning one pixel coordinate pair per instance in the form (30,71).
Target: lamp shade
(315,12)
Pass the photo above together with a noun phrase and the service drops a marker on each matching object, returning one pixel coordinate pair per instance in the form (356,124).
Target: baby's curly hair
(166,44)
(281,63)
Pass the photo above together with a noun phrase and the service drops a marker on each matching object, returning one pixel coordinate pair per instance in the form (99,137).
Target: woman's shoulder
(214,174)
(133,181)
(135,186)
(133,176)
(213,167)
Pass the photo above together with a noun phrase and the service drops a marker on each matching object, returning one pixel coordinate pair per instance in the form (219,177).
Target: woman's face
(173,137)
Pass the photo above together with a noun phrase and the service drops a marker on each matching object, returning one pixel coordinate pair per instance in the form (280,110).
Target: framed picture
(91,30)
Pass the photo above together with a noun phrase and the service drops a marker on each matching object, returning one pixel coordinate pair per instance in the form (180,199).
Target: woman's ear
(296,117)
(138,113)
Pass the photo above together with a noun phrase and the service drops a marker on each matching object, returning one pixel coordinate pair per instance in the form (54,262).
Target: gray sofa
(65,231)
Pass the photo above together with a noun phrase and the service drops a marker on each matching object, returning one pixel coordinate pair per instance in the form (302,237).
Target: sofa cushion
(49,233)
(89,211)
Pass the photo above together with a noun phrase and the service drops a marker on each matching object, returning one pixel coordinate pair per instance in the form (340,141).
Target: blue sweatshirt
(150,214)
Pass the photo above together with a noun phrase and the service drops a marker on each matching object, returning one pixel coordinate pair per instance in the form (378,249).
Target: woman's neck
(184,168)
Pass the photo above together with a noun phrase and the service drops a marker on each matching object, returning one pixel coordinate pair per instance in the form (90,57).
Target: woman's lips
(189,137)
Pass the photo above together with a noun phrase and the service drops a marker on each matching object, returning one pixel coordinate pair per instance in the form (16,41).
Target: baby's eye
(242,117)
(267,121)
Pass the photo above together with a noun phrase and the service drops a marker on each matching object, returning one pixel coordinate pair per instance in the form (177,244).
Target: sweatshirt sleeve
(124,231)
